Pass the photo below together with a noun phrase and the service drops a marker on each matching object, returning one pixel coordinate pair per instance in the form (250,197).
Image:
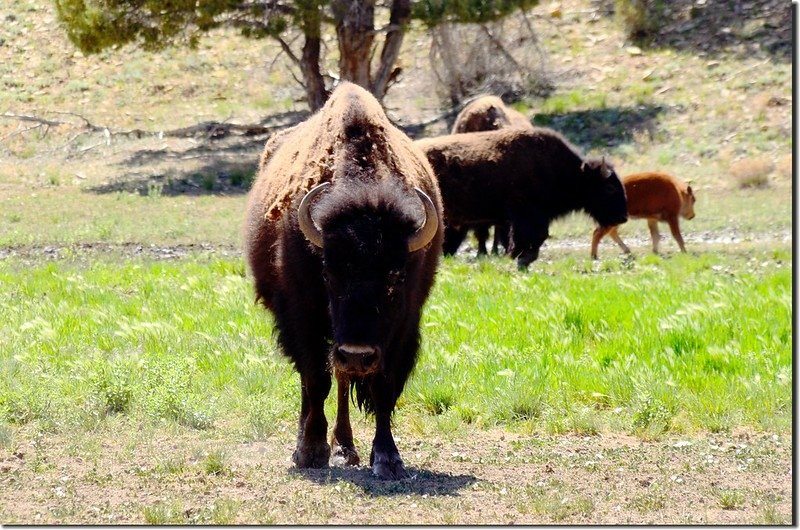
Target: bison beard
(345,267)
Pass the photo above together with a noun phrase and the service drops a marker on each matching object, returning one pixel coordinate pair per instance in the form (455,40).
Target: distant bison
(343,235)
(527,178)
(485,113)
(488,113)
(655,197)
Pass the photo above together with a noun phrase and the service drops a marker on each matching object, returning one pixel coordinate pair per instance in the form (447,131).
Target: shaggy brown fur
(357,298)
(485,113)
(488,113)
(656,197)
(524,177)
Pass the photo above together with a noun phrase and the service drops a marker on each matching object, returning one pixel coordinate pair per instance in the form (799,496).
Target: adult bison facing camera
(343,235)
(527,178)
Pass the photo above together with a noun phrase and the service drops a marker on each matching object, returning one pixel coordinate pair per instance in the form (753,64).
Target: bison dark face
(368,237)
(605,199)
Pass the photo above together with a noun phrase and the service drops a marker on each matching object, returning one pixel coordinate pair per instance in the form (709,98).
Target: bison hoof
(312,455)
(388,467)
(344,456)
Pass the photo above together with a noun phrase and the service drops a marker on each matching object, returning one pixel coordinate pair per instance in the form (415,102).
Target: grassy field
(139,383)
(645,346)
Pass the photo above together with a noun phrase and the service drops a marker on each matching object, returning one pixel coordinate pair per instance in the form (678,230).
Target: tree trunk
(398,18)
(355,31)
(309,61)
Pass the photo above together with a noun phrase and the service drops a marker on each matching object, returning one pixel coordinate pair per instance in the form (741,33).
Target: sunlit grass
(648,346)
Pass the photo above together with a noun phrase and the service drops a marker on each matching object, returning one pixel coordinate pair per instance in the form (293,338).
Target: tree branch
(287,50)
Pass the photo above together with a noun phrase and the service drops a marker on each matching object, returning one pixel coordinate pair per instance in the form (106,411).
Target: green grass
(646,346)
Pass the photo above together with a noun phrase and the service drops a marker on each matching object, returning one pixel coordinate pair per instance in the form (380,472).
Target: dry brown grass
(752,172)
(784,166)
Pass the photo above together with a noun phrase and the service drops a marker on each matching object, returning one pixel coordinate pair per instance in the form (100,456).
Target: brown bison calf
(655,197)
(484,113)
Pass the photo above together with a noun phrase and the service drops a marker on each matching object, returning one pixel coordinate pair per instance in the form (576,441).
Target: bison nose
(356,358)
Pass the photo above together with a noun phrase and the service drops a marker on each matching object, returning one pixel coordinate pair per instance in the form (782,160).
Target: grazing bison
(343,235)
(655,197)
(527,178)
(488,113)
(485,113)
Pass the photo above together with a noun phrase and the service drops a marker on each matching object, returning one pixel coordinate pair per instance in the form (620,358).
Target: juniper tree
(367,55)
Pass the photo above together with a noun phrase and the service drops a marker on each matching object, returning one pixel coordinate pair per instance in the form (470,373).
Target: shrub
(640,17)
(752,172)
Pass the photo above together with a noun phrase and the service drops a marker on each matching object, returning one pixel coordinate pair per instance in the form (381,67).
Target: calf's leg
(676,232)
(343,449)
(597,235)
(614,233)
(652,224)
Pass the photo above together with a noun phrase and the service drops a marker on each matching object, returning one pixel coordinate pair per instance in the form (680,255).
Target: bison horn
(307,226)
(425,233)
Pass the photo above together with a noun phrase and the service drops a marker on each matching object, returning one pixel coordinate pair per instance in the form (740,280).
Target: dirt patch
(135,474)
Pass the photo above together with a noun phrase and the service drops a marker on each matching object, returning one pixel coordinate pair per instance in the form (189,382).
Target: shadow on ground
(206,169)
(745,28)
(215,162)
(422,482)
(602,127)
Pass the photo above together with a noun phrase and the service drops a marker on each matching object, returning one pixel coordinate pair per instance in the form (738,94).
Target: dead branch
(208,129)
(35,119)
(22,131)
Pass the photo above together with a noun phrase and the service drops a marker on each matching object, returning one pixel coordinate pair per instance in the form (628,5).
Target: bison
(527,178)
(343,234)
(485,113)
(656,197)
(488,113)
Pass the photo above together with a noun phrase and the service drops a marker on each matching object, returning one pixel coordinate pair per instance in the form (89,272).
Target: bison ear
(583,166)
(689,190)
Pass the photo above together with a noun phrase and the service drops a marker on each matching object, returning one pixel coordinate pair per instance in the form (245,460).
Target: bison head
(687,203)
(605,195)
(369,235)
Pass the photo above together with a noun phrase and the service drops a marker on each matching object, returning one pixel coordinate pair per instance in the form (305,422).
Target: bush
(752,172)
(640,17)
(501,58)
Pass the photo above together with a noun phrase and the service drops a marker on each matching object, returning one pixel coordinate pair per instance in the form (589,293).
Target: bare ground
(129,473)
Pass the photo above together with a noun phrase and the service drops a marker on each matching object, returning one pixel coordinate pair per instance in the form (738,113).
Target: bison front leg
(481,234)
(343,449)
(676,232)
(500,238)
(312,448)
(527,236)
(453,237)
(385,458)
